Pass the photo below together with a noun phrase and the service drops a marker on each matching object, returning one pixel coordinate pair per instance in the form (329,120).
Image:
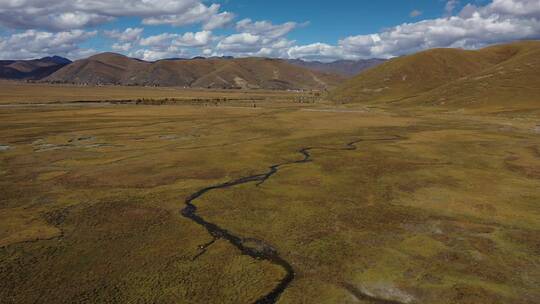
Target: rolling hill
(495,76)
(346,68)
(31,69)
(217,73)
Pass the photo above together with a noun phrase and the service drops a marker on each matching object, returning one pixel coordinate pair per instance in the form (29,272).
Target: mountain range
(346,68)
(201,72)
(216,73)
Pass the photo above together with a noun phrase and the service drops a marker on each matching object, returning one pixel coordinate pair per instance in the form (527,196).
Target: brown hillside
(447,76)
(514,82)
(109,68)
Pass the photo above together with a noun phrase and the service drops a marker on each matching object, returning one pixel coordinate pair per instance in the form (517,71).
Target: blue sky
(312,30)
(333,20)
(326,23)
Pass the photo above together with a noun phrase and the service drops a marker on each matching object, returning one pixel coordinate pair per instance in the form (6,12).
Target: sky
(310,30)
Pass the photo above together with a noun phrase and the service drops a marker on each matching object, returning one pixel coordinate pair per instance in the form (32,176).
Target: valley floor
(366,205)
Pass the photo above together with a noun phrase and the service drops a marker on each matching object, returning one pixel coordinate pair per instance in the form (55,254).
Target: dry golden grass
(492,79)
(445,211)
(22,93)
(24,224)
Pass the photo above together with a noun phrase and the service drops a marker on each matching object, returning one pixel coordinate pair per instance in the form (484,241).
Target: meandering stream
(263,251)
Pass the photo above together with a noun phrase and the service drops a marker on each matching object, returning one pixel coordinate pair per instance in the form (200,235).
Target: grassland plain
(31,93)
(431,207)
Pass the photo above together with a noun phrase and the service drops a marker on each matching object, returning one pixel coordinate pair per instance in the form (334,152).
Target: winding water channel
(263,251)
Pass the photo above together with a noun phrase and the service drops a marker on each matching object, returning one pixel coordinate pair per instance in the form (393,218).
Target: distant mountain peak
(56,59)
(343,67)
(34,69)
(107,55)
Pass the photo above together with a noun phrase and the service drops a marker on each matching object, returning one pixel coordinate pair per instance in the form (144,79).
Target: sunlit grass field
(13,92)
(430,207)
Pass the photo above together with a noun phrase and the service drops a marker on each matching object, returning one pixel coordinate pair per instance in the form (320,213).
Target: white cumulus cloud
(157,54)
(128,35)
(170,45)
(35,44)
(190,39)
(258,38)
(265,28)
(61,15)
(209,16)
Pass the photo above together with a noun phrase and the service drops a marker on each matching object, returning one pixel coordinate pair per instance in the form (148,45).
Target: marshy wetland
(280,203)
